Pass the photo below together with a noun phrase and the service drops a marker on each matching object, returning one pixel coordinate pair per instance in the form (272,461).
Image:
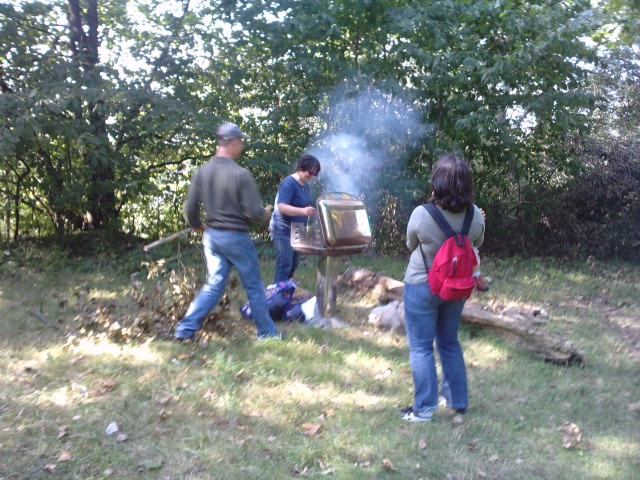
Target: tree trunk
(101,204)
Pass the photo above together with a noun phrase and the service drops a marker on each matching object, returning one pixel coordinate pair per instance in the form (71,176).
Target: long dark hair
(452,184)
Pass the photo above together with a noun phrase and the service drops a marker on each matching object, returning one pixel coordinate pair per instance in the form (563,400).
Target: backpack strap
(444,225)
(440,220)
(446,228)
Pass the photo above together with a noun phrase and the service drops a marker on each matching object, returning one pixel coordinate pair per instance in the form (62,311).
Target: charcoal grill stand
(310,242)
(320,239)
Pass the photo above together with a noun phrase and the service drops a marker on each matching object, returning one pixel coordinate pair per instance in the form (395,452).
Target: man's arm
(191,211)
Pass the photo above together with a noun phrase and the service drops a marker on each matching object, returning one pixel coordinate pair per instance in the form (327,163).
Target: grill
(342,229)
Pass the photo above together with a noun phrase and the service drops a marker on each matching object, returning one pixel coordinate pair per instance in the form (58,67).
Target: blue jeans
(430,318)
(287,259)
(224,249)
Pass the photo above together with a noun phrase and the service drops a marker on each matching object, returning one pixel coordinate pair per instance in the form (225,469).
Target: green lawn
(321,403)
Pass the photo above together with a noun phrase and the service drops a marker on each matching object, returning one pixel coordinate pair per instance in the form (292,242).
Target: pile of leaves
(153,308)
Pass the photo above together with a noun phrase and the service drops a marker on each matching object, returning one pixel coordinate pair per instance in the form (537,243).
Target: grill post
(327,286)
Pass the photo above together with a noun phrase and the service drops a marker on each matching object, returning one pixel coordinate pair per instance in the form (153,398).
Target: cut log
(515,326)
(365,282)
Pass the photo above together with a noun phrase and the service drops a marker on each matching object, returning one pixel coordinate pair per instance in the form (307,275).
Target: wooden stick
(168,239)
(43,319)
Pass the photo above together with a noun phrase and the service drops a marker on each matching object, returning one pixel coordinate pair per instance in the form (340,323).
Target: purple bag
(279,296)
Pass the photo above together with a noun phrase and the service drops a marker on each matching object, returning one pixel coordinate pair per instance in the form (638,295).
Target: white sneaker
(418,417)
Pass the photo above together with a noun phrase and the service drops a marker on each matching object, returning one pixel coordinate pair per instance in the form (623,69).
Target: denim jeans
(287,259)
(224,249)
(430,318)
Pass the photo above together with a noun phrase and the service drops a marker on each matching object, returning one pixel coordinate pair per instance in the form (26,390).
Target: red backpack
(451,275)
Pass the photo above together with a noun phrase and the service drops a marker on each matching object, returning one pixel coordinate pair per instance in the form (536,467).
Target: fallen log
(519,327)
(548,346)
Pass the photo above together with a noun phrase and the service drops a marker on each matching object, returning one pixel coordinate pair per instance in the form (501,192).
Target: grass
(233,408)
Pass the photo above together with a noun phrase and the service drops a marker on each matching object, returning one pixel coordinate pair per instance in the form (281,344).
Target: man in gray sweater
(232,204)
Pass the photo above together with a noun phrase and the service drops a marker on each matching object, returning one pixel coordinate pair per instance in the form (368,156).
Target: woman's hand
(309,211)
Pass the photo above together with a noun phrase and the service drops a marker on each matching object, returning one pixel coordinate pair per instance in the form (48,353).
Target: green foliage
(594,213)
(90,141)
(623,22)
(79,140)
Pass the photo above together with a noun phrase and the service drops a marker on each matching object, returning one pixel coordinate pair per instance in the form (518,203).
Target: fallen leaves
(386,374)
(63,431)
(75,360)
(108,384)
(111,428)
(64,457)
(51,467)
(388,465)
(458,420)
(296,470)
(324,469)
(311,429)
(570,434)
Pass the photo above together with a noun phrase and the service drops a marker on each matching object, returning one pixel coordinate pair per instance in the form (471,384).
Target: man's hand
(268,209)
(199,229)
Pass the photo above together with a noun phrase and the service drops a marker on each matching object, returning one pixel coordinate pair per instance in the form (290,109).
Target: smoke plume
(367,136)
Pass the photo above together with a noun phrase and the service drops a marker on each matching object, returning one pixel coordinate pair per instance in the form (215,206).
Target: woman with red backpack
(429,317)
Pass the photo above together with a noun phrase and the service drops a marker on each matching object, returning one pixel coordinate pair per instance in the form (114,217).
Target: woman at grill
(428,317)
(293,203)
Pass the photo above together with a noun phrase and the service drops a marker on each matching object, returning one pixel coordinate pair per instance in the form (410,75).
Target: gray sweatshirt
(422,228)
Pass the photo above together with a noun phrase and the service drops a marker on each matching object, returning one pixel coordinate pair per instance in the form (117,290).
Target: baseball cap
(230,131)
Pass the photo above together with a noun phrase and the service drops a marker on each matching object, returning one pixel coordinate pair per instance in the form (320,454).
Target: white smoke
(369,133)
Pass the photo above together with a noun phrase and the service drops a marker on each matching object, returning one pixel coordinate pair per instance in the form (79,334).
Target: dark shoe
(404,411)
(183,339)
(481,284)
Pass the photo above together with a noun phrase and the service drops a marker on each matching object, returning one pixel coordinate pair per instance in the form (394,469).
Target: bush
(594,214)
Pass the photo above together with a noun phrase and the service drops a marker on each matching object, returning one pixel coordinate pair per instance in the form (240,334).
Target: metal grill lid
(344,220)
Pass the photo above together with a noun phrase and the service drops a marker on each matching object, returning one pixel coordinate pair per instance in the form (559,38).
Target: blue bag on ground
(293,312)
(279,295)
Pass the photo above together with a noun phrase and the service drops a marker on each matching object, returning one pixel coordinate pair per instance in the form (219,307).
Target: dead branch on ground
(520,328)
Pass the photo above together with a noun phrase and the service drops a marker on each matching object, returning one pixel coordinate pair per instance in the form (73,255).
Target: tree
(80,136)
(503,82)
(88,140)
